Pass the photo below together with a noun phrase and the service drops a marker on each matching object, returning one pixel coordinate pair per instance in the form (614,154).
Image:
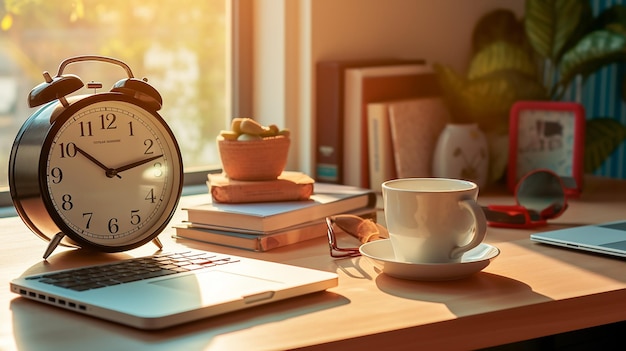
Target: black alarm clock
(100,171)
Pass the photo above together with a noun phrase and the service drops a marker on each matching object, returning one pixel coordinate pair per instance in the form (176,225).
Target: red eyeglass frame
(520,216)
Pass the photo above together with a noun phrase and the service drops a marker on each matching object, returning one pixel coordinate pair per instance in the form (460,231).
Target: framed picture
(547,135)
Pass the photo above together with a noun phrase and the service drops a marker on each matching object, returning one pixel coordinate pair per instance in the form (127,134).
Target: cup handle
(480,227)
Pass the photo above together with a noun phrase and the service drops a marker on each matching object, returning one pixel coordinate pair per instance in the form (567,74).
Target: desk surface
(529,291)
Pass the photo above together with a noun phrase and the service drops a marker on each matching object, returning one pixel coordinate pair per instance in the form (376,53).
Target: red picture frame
(547,135)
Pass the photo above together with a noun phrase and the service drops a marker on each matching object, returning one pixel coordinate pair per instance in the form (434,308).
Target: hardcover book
(374,84)
(327,200)
(329,109)
(289,186)
(415,127)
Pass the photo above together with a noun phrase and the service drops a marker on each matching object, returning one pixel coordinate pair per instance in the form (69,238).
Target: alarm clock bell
(47,192)
(64,84)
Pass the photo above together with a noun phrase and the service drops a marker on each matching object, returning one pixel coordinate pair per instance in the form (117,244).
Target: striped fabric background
(601,95)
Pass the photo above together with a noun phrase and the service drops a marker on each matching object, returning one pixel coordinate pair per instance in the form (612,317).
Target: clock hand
(135,164)
(109,172)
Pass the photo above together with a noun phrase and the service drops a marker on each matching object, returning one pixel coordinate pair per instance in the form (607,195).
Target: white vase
(462,153)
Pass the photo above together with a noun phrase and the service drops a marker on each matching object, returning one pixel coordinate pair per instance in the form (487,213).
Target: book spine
(269,242)
(240,241)
(381,167)
(263,192)
(352,136)
(329,122)
(253,242)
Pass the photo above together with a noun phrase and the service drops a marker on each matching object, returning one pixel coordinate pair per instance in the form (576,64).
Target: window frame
(239,91)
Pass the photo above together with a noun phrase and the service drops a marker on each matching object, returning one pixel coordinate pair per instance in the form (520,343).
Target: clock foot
(53,244)
(158,243)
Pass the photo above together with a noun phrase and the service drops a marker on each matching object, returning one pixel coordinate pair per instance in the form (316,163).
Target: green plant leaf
(594,51)
(602,137)
(452,84)
(497,25)
(550,23)
(499,56)
(487,100)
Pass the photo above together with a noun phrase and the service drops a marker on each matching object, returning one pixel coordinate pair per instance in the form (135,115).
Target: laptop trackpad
(218,284)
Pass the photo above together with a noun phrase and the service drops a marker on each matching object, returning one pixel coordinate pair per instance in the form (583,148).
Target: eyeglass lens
(543,192)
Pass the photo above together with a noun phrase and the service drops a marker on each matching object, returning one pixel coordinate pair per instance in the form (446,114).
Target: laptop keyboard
(132,269)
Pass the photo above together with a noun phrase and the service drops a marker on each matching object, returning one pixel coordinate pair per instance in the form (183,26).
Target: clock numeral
(68,150)
(67,202)
(150,197)
(108,121)
(57,175)
(158,169)
(130,128)
(84,126)
(88,215)
(134,217)
(148,143)
(113,227)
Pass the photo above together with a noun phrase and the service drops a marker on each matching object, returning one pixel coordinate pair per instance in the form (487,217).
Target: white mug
(432,220)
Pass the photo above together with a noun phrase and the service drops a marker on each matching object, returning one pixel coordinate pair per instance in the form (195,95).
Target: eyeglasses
(365,230)
(540,195)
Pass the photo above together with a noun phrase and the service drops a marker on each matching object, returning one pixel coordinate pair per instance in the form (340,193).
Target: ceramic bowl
(254,159)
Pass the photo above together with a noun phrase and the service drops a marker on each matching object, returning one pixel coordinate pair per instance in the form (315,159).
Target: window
(180,46)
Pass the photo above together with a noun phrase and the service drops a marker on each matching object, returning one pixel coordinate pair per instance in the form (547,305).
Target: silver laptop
(168,289)
(606,238)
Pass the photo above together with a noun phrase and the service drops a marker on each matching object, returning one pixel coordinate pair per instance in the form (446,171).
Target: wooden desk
(529,291)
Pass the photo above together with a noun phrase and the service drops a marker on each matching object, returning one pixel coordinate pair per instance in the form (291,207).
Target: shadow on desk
(484,290)
(74,258)
(34,322)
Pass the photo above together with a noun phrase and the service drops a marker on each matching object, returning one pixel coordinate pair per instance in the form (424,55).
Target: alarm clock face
(113,174)
(545,140)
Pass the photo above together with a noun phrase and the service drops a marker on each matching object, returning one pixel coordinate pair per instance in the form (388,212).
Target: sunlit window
(179,45)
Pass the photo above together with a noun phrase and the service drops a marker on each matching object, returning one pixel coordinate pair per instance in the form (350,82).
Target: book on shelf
(327,199)
(415,126)
(260,241)
(329,109)
(371,84)
(381,159)
(289,186)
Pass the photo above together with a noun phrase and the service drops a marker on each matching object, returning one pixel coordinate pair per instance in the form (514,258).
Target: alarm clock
(101,171)
(547,135)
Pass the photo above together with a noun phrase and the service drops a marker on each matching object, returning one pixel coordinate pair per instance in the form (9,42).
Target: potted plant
(553,48)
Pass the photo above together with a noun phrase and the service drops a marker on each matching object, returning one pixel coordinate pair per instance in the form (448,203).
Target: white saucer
(380,253)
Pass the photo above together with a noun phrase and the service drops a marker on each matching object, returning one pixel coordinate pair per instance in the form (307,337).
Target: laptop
(164,290)
(606,238)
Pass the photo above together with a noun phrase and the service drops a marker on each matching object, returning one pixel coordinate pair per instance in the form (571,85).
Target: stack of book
(355,149)
(262,226)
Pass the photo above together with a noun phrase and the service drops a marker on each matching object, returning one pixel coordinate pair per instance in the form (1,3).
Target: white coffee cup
(432,220)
